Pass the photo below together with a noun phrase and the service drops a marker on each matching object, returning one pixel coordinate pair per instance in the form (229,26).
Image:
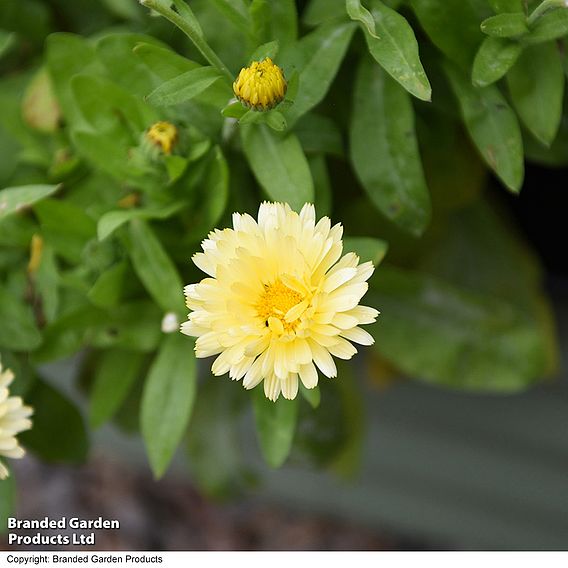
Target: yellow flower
(14,418)
(261,86)
(164,135)
(280,300)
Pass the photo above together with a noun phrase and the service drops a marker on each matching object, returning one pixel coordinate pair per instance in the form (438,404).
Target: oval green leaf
(275,426)
(384,149)
(493,127)
(395,48)
(536,84)
(279,165)
(167,400)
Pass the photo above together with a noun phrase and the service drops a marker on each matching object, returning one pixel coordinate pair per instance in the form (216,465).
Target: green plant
(392,135)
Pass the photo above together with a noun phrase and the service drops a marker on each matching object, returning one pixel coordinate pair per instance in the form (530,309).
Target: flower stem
(544,7)
(163,8)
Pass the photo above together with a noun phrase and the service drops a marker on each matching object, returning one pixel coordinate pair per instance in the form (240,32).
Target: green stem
(544,7)
(198,40)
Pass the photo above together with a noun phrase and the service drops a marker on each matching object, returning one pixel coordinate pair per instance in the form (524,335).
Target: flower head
(163,135)
(14,418)
(280,300)
(261,86)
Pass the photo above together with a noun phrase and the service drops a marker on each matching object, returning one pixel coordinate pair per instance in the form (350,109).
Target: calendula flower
(163,135)
(261,85)
(14,418)
(280,300)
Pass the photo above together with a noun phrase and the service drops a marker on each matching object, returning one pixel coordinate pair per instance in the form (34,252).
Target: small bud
(170,323)
(261,86)
(36,250)
(163,135)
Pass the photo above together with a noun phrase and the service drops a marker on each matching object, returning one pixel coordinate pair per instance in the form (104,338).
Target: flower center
(275,303)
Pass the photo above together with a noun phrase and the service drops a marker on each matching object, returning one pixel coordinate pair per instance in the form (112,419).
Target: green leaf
(453,26)
(58,433)
(320,11)
(552,25)
(40,108)
(265,50)
(107,153)
(116,372)
(47,283)
(215,456)
(396,50)
(482,324)
(236,12)
(275,120)
(312,396)
(66,227)
(210,199)
(556,155)
(234,110)
(283,21)
(347,462)
(316,57)
(536,84)
(322,185)
(167,400)
(505,25)
(187,14)
(7,41)
(112,220)
(122,65)
(134,326)
(493,60)
(493,127)
(279,165)
(162,61)
(319,134)
(68,333)
(15,199)
(106,107)
(107,290)
(67,55)
(442,334)
(7,501)
(359,13)
(367,248)
(124,9)
(275,426)
(384,150)
(18,331)
(184,87)
(154,267)
(506,6)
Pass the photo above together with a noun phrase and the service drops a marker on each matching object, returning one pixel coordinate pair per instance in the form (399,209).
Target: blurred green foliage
(395,113)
